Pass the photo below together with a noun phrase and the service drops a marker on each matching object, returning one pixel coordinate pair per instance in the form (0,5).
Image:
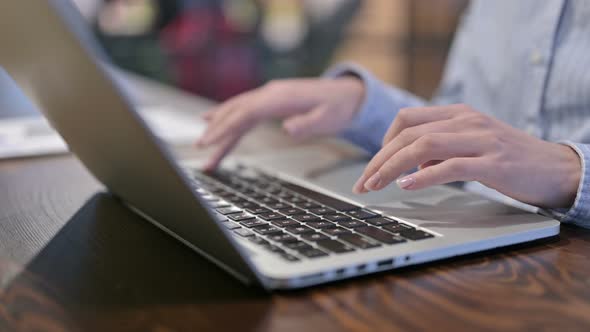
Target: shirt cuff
(378,109)
(579,213)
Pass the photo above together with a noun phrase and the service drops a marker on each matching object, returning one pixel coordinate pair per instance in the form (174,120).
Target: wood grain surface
(73,258)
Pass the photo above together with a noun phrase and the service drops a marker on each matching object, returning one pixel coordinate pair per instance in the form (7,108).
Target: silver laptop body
(47,50)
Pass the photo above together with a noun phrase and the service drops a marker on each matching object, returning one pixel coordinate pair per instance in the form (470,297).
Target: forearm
(380,106)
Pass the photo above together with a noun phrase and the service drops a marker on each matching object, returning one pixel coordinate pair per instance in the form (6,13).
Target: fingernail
(209,166)
(405,182)
(291,130)
(358,186)
(373,182)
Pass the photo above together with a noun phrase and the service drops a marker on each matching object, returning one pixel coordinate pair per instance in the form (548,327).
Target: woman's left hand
(456,143)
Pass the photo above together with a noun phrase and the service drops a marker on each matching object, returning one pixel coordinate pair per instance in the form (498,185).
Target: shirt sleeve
(378,109)
(579,213)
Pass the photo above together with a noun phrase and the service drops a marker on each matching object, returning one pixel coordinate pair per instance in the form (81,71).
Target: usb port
(384,263)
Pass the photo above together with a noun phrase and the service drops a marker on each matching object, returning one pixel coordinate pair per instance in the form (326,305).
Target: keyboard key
(257,196)
(258,240)
(243,232)
(320,224)
(235,199)
(231,225)
(285,195)
(298,246)
(202,191)
(296,200)
(313,253)
(240,216)
(266,229)
(290,257)
(274,190)
(334,246)
(245,204)
(352,223)
(219,217)
(291,211)
(359,241)
(397,228)
(379,235)
(282,238)
(247,191)
(299,229)
(363,214)
(284,222)
(415,234)
(306,217)
(321,198)
(209,198)
(219,204)
(380,221)
(337,217)
(253,223)
(314,237)
(219,191)
(267,200)
(279,206)
(336,231)
(228,210)
(307,205)
(258,210)
(322,211)
(271,216)
(275,249)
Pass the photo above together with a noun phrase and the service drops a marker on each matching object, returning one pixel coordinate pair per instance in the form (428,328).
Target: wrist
(353,89)
(570,171)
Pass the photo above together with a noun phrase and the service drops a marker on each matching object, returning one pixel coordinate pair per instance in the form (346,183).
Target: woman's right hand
(309,107)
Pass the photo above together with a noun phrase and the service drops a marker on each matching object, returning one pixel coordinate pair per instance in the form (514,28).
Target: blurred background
(219,48)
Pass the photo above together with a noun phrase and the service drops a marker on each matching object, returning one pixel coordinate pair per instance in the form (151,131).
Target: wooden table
(73,258)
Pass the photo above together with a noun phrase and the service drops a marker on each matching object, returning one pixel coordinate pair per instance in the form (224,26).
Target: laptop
(281,221)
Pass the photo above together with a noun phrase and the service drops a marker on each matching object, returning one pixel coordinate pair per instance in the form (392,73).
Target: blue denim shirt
(524,62)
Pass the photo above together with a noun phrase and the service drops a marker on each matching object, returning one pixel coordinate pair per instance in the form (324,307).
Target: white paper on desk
(33,136)
(29,136)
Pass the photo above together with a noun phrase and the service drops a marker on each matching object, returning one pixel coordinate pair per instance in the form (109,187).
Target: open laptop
(282,221)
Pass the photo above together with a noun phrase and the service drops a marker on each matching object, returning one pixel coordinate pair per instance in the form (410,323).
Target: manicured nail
(356,189)
(358,186)
(373,182)
(405,182)
(292,130)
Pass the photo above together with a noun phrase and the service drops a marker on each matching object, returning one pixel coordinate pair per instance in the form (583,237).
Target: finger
(415,116)
(217,116)
(237,122)
(407,137)
(429,163)
(452,170)
(222,110)
(223,117)
(221,113)
(306,125)
(207,116)
(431,147)
(221,151)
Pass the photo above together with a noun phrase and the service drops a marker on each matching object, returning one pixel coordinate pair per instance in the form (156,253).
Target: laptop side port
(385,263)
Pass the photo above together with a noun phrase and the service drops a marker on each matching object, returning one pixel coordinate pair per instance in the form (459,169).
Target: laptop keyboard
(295,222)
